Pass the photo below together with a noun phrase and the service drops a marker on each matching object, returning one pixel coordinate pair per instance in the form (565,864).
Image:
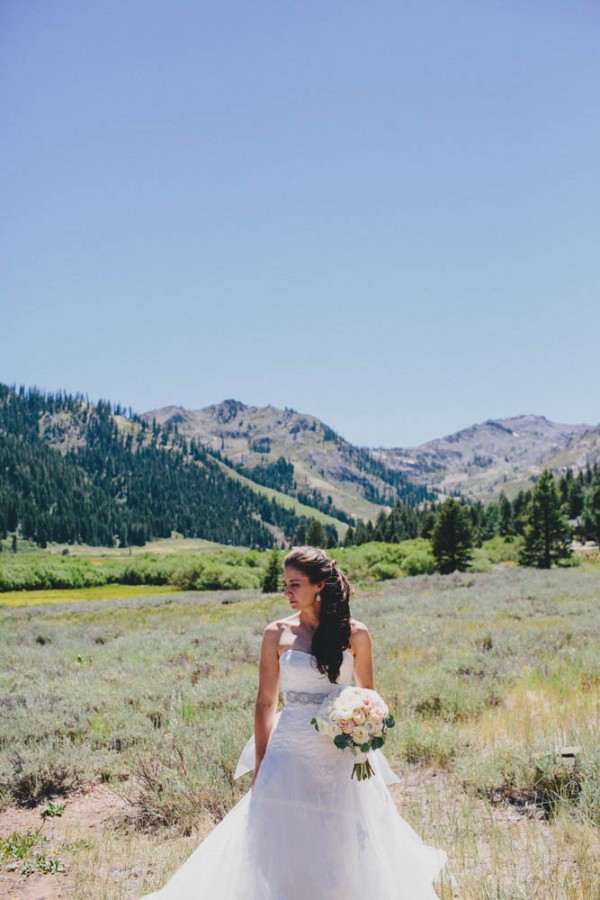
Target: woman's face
(298,589)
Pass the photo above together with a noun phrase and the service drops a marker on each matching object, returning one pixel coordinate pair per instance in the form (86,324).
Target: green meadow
(493,677)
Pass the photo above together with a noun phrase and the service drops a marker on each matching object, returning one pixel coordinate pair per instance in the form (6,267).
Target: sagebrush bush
(420,744)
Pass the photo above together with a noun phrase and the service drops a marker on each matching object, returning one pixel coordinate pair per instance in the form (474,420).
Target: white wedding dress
(307,830)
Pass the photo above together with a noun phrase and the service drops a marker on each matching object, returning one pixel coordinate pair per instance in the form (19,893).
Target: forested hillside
(81,472)
(298,454)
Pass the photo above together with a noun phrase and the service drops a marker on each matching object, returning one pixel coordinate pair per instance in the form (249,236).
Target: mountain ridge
(496,455)
(325,465)
(479,461)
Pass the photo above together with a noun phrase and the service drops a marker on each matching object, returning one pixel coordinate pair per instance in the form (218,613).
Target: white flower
(360,735)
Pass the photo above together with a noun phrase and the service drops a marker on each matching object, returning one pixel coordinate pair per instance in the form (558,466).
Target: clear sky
(386,214)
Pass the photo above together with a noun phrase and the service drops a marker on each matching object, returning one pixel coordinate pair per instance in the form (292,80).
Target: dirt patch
(87,813)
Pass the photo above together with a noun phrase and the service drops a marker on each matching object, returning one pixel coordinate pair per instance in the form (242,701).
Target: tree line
(546,519)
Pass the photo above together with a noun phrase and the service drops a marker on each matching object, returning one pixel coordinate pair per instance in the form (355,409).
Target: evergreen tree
(331,536)
(591,511)
(349,539)
(506,525)
(300,535)
(519,508)
(315,536)
(428,522)
(546,530)
(271,579)
(452,537)
(360,533)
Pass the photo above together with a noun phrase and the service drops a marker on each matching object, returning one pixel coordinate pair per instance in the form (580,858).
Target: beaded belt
(302,697)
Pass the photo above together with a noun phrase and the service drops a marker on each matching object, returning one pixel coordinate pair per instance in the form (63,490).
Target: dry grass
(489,675)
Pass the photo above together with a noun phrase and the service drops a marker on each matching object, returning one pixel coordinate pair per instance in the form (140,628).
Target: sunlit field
(493,678)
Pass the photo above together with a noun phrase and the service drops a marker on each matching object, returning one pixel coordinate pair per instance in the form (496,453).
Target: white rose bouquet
(358,719)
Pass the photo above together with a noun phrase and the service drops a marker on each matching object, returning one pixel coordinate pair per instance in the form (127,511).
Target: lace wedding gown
(306,830)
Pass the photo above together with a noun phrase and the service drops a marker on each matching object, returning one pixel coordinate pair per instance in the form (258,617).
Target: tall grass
(490,676)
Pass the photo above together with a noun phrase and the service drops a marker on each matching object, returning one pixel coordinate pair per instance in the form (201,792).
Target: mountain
(73,471)
(496,455)
(296,453)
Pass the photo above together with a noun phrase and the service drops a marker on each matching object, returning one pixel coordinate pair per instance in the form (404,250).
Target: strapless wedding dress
(307,830)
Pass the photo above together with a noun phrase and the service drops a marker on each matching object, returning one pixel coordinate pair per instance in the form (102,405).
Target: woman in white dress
(306,830)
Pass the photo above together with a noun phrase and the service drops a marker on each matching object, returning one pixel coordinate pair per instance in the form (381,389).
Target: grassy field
(147,701)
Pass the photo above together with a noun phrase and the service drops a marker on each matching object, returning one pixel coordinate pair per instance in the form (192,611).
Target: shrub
(419,562)
(33,779)
(419,744)
(382,571)
(180,779)
(541,783)
(214,578)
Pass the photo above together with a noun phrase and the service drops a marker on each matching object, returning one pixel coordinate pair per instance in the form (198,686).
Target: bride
(306,830)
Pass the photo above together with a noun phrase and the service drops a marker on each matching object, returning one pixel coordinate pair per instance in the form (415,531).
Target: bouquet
(356,718)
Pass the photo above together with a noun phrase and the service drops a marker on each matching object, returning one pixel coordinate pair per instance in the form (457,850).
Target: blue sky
(385,214)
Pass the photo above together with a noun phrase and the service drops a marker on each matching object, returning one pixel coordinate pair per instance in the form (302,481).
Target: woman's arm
(268,689)
(363,656)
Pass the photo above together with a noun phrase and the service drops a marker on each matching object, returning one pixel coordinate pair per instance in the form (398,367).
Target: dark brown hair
(332,636)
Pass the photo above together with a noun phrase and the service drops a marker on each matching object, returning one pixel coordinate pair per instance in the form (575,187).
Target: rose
(358,715)
(360,735)
(331,730)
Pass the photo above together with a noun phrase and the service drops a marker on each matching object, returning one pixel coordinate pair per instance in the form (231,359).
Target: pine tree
(271,579)
(546,529)
(315,536)
(331,536)
(506,525)
(452,537)
(360,533)
(591,512)
(300,535)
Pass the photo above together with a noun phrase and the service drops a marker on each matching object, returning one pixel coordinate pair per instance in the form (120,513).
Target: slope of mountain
(81,472)
(253,438)
(496,455)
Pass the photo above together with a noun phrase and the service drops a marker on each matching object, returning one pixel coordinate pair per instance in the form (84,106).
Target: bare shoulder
(360,639)
(357,627)
(272,632)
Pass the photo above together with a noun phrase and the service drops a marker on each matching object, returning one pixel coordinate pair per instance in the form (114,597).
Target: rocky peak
(227,410)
